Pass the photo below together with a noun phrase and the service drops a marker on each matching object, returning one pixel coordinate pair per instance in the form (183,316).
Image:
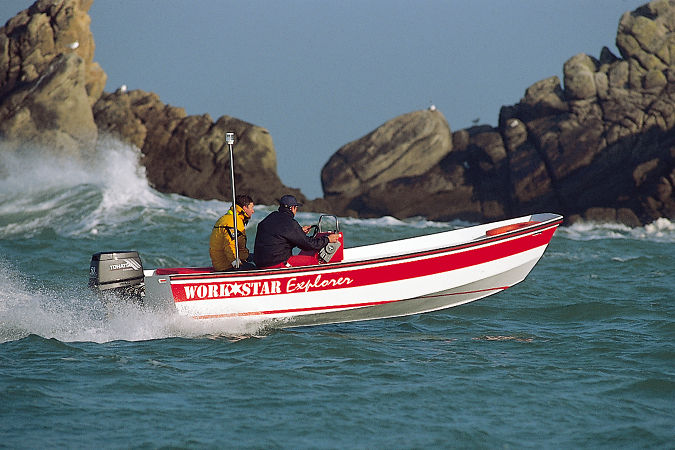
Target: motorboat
(388,279)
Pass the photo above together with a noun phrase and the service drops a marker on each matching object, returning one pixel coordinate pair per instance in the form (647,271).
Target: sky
(319,74)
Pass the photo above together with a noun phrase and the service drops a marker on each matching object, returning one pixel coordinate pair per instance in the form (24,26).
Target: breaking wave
(661,230)
(75,314)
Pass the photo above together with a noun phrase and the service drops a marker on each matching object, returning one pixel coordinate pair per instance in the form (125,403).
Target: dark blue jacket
(276,237)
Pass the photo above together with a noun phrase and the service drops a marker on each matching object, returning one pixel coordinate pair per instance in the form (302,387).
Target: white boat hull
(401,278)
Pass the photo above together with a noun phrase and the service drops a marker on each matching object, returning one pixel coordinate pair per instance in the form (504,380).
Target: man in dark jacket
(279,233)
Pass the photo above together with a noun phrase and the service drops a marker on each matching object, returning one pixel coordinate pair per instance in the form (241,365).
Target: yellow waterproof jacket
(221,244)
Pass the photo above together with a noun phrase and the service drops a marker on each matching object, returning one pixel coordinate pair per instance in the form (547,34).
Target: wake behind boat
(388,279)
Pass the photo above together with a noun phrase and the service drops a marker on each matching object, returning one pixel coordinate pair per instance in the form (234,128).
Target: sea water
(580,354)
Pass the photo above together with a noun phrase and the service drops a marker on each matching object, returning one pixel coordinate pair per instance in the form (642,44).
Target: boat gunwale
(556,220)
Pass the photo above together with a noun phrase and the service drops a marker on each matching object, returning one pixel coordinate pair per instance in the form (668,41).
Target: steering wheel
(314,229)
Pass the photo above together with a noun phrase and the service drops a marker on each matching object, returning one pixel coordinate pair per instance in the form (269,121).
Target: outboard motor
(118,272)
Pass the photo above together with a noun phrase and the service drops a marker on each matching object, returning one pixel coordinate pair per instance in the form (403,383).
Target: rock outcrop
(602,147)
(408,145)
(48,80)
(188,154)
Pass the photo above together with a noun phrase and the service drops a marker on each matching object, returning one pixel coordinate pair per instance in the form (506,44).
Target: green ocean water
(579,355)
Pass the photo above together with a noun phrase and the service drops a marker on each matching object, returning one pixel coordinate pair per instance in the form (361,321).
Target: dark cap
(289,200)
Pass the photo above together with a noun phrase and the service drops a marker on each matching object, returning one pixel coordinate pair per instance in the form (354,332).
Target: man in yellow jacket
(221,244)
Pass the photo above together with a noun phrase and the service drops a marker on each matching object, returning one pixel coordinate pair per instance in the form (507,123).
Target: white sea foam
(80,316)
(661,230)
(74,196)
(384,221)
(114,166)
(123,177)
